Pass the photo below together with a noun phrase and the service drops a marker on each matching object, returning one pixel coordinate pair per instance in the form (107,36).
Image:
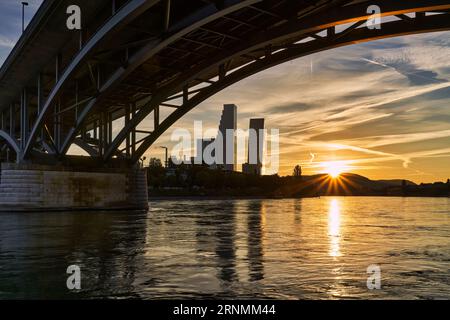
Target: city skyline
(385,117)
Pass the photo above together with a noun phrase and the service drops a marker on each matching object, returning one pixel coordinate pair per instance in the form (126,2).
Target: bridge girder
(183,61)
(289,53)
(10,141)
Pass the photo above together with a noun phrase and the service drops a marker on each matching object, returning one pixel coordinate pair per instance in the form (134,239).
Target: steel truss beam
(130,11)
(291,31)
(176,31)
(264,49)
(10,141)
(393,29)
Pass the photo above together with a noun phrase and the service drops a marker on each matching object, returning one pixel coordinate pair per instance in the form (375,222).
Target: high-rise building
(255,148)
(227,128)
(202,144)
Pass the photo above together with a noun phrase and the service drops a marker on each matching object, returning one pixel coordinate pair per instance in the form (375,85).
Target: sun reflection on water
(334,227)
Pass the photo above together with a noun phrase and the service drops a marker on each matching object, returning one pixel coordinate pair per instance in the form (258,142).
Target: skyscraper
(227,129)
(255,148)
(202,144)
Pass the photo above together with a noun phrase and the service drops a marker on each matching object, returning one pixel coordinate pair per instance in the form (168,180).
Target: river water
(282,249)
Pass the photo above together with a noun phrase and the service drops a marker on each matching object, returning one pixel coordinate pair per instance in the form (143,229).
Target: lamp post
(166,163)
(24,4)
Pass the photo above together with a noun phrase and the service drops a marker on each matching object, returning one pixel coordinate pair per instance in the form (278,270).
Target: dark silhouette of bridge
(134,58)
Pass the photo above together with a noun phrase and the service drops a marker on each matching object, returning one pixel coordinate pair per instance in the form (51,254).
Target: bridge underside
(138,66)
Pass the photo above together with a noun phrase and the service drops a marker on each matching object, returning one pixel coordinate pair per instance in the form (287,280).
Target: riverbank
(219,198)
(232,185)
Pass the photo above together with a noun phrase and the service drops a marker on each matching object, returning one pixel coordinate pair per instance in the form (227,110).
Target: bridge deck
(134,59)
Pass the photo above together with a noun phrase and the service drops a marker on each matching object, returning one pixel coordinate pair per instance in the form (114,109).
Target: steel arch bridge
(135,60)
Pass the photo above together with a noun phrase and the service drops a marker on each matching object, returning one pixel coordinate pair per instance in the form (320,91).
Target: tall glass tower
(227,128)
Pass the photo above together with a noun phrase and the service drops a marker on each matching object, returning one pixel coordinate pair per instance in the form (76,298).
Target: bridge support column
(30,187)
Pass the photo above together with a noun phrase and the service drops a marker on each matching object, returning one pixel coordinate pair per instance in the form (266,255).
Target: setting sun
(334,169)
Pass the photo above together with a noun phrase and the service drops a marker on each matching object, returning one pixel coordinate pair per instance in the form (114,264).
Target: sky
(379,109)
(11,23)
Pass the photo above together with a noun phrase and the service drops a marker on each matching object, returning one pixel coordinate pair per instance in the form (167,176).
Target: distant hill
(346,184)
(397,182)
(366,181)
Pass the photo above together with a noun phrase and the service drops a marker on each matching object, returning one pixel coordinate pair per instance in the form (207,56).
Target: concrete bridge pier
(31,187)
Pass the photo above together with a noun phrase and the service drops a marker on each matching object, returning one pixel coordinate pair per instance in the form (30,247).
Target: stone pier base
(26,187)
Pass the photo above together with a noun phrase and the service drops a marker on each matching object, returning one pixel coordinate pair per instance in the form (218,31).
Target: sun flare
(334,169)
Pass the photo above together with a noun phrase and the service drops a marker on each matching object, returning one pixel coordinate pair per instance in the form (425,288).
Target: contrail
(401,72)
(378,63)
